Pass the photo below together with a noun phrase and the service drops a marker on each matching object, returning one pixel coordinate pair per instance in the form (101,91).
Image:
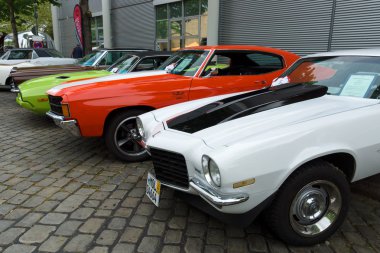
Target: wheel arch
(344,161)
(122,109)
(8,80)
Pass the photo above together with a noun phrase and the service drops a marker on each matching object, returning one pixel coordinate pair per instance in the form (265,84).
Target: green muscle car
(32,93)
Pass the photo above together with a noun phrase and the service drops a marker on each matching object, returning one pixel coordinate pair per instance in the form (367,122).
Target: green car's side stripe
(33,96)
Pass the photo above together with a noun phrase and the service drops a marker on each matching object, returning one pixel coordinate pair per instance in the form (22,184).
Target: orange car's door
(236,71)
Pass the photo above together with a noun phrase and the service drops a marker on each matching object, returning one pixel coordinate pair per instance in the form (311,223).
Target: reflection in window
(191,42)
(176,28)
(191,27)
(97,31)
(191,7)
(175,44)
(161,12)
(204,7)
(163,46)
(181,23)
(162,29)
(175,10)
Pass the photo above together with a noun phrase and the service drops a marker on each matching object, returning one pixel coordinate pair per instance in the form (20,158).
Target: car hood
(239,117)
(109,82)
(14,62)
(41,61)
(39,86)
(234,131)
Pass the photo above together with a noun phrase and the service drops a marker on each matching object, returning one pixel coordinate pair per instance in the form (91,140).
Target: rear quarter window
(269,61)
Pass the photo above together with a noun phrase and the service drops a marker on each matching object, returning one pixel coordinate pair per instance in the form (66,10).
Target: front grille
(170,167)
(55,105)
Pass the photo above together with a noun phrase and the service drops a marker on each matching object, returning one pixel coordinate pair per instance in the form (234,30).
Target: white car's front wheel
(311,205)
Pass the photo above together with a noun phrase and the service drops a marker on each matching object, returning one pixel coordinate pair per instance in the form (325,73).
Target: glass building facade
(181,24)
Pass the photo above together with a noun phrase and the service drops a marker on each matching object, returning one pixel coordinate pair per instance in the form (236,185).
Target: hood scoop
(243,105)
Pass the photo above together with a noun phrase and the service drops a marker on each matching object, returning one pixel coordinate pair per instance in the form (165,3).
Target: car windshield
(123,65)
(185,63)
(54,53)
(354,76)
(20,54)
(90,59)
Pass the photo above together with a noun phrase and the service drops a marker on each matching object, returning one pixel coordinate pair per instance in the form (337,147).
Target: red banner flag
(78,24)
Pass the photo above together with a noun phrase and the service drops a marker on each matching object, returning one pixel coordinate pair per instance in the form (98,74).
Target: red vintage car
(108,106)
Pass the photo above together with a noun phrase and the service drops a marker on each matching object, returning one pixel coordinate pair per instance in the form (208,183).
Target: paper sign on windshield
(357,85)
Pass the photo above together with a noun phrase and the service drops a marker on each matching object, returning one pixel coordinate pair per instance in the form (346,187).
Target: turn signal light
(244,183)
(66,110)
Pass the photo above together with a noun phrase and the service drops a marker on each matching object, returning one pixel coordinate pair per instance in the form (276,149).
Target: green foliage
(24,13)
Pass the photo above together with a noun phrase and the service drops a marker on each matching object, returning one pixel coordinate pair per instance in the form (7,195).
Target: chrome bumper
(69,125)
(217,199)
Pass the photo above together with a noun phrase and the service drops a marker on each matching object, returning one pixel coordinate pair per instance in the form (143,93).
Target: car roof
(353,52)
(123,49)
(238,47)
(20,49)
(151,53)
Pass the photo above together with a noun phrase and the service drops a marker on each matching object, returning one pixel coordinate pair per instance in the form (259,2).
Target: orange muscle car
(108,106)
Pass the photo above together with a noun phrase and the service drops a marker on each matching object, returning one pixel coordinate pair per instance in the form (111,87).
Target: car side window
(158,61)
(5,56)
(111,57)
(34,55)
(217,66)
(145,64)
(20,54)
(233,63)
(266,62)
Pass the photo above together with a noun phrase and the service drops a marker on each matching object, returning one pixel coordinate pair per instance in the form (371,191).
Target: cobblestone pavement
(59,193)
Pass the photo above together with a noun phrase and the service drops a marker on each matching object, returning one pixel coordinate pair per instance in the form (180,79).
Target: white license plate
(153,189)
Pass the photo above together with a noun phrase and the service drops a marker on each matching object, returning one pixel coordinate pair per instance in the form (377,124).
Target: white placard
(357,85)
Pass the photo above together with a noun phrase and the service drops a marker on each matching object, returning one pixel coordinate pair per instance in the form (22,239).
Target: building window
(97,31)
(181,24)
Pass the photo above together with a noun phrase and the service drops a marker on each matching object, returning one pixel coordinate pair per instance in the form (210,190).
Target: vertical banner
(78,24)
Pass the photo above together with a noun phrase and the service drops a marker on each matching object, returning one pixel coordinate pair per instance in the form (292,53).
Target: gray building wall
(66,23)
(301,26)
(132,21)
(356,24)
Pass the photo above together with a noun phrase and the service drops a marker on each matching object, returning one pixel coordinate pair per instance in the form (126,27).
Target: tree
(86,29)
(14,10)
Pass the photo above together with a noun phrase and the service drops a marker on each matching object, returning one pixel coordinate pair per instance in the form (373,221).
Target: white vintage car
(291,149)
(29,57)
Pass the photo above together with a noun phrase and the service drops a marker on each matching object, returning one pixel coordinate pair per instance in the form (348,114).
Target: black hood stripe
(243,105)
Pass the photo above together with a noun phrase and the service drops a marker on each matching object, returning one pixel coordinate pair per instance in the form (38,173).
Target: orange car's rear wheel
(119,137)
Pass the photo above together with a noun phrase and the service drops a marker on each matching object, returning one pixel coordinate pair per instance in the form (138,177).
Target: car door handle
(178,93)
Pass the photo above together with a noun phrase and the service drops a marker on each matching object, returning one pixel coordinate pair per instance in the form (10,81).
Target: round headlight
(140,127)
(211,171)
(214,172)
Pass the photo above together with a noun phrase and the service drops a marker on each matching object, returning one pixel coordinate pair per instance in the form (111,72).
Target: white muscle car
(29,57)
(291,149)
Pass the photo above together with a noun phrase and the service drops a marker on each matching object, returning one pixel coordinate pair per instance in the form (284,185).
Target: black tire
(298,205)
(115,132)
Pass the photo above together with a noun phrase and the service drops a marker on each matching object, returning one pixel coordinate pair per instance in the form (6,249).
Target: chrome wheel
(315,208)
(124,138)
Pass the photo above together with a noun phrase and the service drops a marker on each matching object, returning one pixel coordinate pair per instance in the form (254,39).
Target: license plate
(153,189)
